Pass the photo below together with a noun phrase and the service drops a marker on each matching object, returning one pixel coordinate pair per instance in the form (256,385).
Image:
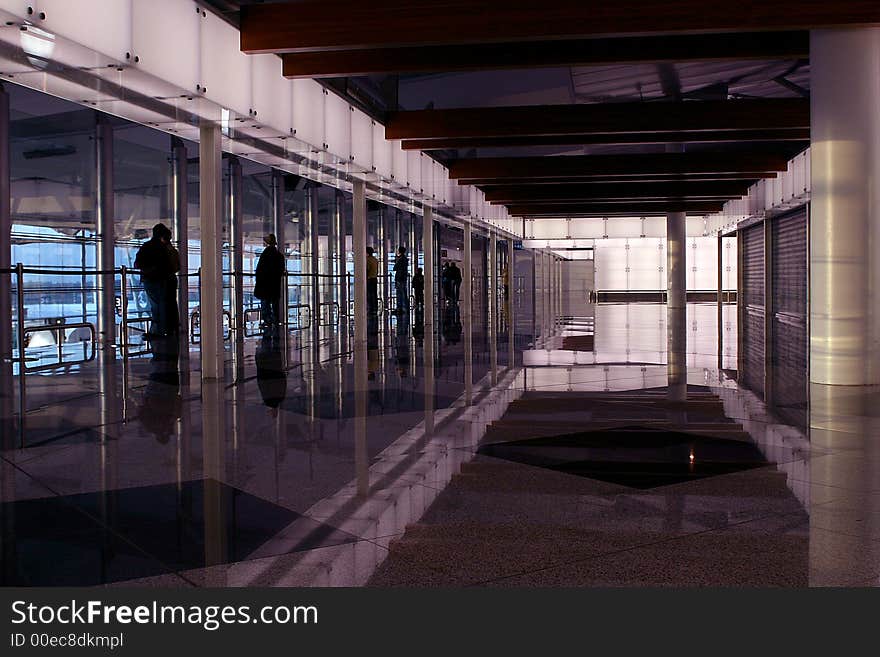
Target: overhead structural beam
(704,190)
(703,137)
(601,118)
(531,54)
(622,166)
(317,25)
(625,209)
(495,182)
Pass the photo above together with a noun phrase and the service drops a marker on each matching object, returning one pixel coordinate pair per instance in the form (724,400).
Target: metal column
(278,227)
(105,258)
(466,313)
(361,365)
(180,230)
(7,387)
(768,312)
(211,231)
(676,306)
(493,307)
(428,247)
(719,301)
(236,215)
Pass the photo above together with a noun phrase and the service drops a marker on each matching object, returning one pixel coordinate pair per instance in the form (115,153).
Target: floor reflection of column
(467,310)
(428,248)
(214,469)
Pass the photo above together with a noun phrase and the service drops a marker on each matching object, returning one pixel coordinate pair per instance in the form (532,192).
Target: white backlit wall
(639,264)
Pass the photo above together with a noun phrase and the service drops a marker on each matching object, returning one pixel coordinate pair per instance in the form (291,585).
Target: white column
(493,306)
(361,383)
(511,317)
(106,260)
(211,283)
(428,246)
(845,210)
(466,311)
(676,306)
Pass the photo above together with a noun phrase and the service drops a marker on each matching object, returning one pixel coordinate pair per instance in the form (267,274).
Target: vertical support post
(493,306)
(106,260)
(279,225)
(211,279)
(511,334)
(719,300)
(7,387)
(466,312)
(428,246)
(236,215)
(361,366)
(768,311)
(180,229)
(342,259)
(676,306)
(740,304)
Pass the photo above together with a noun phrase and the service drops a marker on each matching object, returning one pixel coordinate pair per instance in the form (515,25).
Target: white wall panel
(155,24)
(226,71)
(308,112)
(414,170)
(337,126)
(624,226)
(103,26)
(399,163)
(362,140)
(272,94)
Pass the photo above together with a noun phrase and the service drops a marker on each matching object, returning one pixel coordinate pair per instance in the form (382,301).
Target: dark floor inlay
(93,538)
(638,457)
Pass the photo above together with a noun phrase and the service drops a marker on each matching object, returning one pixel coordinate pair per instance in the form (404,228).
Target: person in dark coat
(455,281)
(155,264)
(401,276)
(270,270)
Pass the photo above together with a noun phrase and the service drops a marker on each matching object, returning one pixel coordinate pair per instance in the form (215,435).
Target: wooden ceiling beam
(618,166)
(536,54)
(705,190)
(322,25)
(687,117)
(704,137)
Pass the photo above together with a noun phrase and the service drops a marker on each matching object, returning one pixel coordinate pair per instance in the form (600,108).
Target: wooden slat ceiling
(728,142)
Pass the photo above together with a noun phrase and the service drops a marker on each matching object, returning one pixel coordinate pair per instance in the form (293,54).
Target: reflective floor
(561,463)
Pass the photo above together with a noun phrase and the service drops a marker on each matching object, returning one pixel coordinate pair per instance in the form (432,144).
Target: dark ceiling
(496,88)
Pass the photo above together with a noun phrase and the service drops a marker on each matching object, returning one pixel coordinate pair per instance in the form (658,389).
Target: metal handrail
(59,339)
(195,321)
(299,306)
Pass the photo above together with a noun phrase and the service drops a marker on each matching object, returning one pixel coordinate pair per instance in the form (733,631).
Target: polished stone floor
(560,464)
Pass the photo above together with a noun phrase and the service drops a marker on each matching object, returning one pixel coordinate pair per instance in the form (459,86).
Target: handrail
(59,328)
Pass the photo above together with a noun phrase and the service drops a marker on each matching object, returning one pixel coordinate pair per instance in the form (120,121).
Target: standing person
(172,312)
(418,286)
(154,264)
(270,269)
(401,274)
(372,282)
(455,276)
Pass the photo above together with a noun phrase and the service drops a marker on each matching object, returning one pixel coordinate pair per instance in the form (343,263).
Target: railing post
(22,392)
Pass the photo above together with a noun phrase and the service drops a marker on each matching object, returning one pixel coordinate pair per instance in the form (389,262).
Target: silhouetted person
(455,281)
(401,274)
(418,286)
(154,262)
(270,270)
(372,282)
(271,375)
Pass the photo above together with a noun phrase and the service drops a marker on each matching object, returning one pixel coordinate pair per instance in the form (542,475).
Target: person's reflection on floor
(401,348)
(271,375)
(162,403)
(418,327)
(452,323)
(372,346)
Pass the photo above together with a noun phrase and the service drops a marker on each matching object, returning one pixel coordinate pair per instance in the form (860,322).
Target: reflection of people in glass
(162,402)
(446,282)
(372,282)
(372,345)
(401,274)
(455,280)
(452,324)
(271,375)
(270,270)
(418,286)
